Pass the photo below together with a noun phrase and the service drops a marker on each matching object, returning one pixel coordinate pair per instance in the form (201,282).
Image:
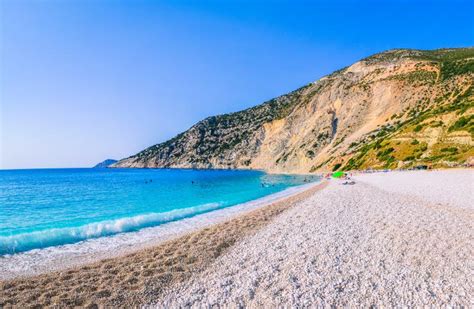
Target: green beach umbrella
(337,174)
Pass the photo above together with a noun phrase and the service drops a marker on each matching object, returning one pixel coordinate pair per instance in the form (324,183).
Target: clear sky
(82,81)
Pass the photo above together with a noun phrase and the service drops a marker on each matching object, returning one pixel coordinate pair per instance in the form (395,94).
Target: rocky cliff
(399,108)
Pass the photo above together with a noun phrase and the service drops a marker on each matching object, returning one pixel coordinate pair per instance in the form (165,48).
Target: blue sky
(82,81)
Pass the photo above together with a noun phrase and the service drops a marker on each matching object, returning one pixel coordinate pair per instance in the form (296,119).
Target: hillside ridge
(395,109)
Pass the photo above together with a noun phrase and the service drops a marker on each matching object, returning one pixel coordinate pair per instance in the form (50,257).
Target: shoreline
(57,258)
(165,262)
(391,239)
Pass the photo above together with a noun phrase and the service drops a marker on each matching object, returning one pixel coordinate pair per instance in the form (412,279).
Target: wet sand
(141,277)
(391,239)
(57,258)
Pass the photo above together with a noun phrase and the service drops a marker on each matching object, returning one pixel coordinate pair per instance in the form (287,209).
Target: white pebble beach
(395,239)
(392,239)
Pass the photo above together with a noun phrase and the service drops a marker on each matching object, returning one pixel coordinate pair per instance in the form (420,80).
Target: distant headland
(105,163)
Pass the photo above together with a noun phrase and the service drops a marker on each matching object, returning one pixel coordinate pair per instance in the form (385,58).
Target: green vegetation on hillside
(220,134)
(389,145)
(434,124)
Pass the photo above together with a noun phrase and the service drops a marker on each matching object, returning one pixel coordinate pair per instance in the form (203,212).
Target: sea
(42,208)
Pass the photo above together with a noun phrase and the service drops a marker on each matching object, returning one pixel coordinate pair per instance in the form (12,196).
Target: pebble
(392,239)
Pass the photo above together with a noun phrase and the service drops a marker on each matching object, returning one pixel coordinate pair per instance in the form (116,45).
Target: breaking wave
(61,236)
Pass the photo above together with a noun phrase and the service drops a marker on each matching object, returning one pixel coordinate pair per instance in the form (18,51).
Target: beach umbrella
(337,174)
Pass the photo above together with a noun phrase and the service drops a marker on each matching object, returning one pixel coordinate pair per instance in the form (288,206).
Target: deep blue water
(49,207)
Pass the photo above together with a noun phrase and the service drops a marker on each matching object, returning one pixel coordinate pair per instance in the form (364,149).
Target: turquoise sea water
(48,207)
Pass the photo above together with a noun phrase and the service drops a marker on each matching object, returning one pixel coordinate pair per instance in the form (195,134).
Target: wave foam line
(61,236)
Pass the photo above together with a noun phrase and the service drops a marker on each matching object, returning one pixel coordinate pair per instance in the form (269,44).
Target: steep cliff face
(394,109)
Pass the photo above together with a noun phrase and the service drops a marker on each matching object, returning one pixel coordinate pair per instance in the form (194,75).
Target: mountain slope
(395,109)
(105,163)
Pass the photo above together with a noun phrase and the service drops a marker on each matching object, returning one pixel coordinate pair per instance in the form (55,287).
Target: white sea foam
(60,236)
(178,222)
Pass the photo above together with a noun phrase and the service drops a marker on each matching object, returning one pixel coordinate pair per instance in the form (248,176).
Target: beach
(55,258)
(139,277)
(391,239)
